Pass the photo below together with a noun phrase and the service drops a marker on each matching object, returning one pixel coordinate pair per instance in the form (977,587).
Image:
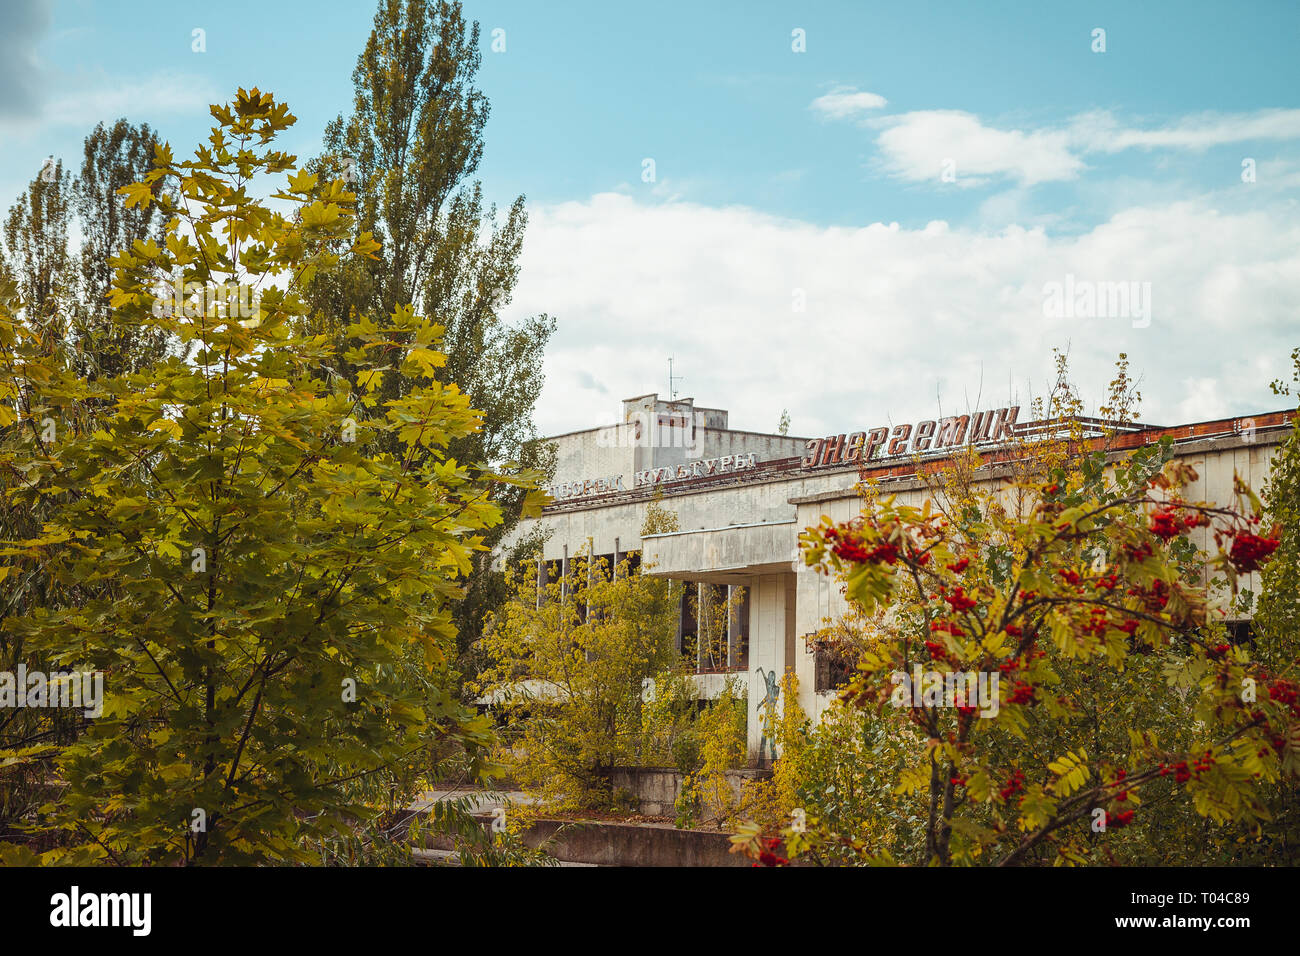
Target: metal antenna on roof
(672,387)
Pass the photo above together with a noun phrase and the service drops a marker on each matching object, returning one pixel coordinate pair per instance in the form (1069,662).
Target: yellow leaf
(172,428)
(136,194)
(302,183)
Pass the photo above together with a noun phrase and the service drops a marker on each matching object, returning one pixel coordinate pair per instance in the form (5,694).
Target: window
(834,668)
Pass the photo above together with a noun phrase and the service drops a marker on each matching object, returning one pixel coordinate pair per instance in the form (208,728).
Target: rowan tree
(1125,723)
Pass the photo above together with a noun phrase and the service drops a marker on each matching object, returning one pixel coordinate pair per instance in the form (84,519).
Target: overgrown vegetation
(1125,725)
(586,676)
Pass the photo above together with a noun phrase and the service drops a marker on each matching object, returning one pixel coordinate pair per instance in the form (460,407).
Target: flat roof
(903,467)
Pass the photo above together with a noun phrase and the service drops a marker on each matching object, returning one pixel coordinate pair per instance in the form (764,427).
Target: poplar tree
(36,246)
(409,149)
(113,158)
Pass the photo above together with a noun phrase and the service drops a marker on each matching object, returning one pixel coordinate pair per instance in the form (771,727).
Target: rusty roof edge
(779,469)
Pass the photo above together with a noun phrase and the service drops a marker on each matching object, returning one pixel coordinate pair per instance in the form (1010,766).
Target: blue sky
(780,176)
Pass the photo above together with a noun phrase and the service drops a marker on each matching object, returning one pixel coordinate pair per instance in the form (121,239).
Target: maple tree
(266,592)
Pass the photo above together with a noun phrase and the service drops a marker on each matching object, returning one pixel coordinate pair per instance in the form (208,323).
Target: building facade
(741,499)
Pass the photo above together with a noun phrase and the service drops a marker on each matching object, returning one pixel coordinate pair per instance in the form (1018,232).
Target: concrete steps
(595,842)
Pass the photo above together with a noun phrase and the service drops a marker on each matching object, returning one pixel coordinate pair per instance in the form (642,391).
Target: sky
(859,212)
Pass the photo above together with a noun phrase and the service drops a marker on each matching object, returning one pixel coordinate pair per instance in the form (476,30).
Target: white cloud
(845,101)
(896,316)
(158,95)
(81,101)
(916,146)
(1099,131)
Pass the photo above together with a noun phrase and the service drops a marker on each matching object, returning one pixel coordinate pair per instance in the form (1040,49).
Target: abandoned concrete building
(741,498)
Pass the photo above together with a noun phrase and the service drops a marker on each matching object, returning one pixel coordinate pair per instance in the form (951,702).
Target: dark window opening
(833,667)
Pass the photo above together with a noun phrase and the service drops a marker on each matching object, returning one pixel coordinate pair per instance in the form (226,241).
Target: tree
(37,236)
(1048,651)
(783,427)
(113,159)
(1277,619)
(268,597)
(410,145)
(36,247)
(569,659)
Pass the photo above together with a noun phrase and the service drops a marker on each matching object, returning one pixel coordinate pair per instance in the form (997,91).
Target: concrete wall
(660,434)
(756,500)
(656,789)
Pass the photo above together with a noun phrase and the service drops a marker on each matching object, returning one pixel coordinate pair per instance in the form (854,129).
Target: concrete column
(814,592)
(702,593)
(733,625)
(770,636)
(681,611)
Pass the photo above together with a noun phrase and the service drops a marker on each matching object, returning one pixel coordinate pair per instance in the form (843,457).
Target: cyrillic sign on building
(930,435)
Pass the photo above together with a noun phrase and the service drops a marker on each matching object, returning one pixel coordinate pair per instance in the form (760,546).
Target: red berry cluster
(1014,630)
(1250,552)
(947,627)
(959,600)
(959,566)
(1154,597)
(1165,524)
(1021,694)
(1069,575)
(768,855)
(1117,821)
(886,553)
(937,651)
(1285,692)
(1096,624)
(1138,552)
(1182,772)
(846,548)
(1015,785)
